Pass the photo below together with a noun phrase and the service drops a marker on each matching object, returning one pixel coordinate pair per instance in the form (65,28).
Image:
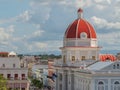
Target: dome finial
(80,13)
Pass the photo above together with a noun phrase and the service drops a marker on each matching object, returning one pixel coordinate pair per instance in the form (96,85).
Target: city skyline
(39,25)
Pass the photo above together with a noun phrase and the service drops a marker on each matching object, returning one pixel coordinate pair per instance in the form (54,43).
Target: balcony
(20,85)
(16,78)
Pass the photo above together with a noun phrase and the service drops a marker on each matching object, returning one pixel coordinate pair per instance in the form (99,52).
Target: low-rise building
(17,76)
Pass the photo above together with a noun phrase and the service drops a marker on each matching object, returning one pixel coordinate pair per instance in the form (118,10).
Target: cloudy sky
(39,25)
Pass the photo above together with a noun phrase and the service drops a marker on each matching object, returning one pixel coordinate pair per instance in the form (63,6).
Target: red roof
(77,27)
(4,52)
(105,57)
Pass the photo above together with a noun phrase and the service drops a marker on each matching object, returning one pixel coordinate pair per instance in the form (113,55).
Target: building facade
(16,75)
(82,67)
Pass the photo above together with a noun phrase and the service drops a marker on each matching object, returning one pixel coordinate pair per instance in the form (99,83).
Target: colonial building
(82,66)
(11,69)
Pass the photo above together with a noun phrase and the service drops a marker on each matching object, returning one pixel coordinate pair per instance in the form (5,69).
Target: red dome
(79,26)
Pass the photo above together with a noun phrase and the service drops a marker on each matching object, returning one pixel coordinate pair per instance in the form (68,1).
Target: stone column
(65,80)
(72,80)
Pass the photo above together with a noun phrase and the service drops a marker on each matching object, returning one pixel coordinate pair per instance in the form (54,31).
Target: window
(117,66)
(93,58)
(83,57)
(13,65)
(15,76)
(101,86)
(114,66)
(116,85)
(8,76)
(23,76)
(23,89)
(3,65)
(10,89)
(73,58)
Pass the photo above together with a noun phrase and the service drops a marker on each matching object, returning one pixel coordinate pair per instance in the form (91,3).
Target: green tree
(3,83)
(37,83)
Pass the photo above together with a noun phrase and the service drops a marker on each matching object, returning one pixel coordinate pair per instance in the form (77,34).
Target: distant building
(40,71)
(51,69)
(10,68)
(28,61)
(4,54)
(82,67)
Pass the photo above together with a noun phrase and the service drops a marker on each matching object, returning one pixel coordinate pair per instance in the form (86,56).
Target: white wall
(9,61)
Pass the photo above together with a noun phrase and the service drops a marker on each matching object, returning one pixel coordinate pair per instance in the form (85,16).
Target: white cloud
(40,45)
(102,1)
(98,1)
(6,38)
(11,28)
(109,41)
(38,3)
(109,1)
(10,20)
(54,45)
(25,16)
(102,23)
(101,7)
(102,4)
(4,35)
(38,33)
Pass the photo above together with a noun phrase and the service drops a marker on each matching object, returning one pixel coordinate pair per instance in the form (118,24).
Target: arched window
(116,85)
(101,85)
